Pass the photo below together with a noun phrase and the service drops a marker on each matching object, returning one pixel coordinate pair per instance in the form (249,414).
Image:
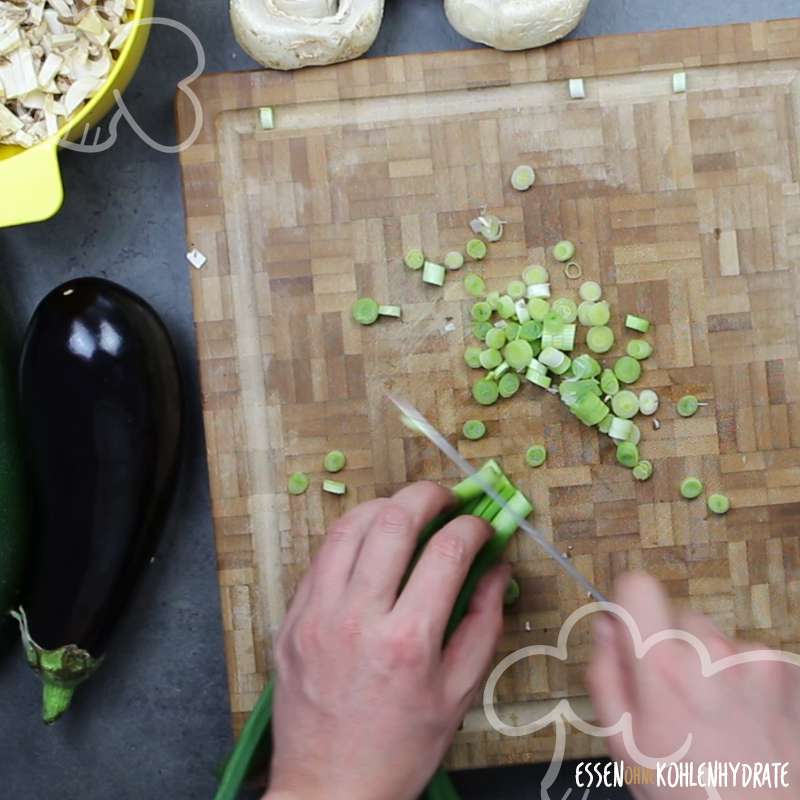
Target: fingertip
(636,584)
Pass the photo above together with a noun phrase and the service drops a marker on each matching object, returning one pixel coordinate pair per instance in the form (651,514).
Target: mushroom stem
(314,9)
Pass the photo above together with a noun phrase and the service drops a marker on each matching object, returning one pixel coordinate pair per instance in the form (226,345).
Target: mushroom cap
(279,39)
(514,24)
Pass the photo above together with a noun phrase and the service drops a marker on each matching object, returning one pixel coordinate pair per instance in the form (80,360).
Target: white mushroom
(514,24)
(288,34)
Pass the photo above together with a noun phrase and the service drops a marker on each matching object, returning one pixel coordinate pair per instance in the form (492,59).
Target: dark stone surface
(153,723)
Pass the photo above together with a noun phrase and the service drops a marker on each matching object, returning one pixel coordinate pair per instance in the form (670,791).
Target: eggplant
(101,402)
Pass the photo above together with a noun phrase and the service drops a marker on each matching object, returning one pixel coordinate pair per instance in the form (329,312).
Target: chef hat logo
(123,112)
(563,712)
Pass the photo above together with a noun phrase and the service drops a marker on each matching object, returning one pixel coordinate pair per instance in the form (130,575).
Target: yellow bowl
(31,179)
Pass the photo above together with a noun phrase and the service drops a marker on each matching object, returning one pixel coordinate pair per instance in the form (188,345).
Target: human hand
(367,701)
(745,713)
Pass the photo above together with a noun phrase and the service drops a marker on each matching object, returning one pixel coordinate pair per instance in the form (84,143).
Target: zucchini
(101,404)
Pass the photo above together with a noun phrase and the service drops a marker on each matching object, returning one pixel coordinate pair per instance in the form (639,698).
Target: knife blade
(420,423)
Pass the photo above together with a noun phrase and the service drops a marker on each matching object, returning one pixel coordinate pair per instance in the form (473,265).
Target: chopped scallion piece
(530,331)
(481,329)
(609,383)
(433,274)
(572,390)
(485,392)
(521,306)
(474,429)
(538,290)
(499,371)
(594,314)
(605,424)
(577,90)
(516,289)
(564,250)
(591,291)
(505,307)
(298,483)
(635,435)
(493,299)
(627,369)
(628,454)
(508,385)
(691,488)
(534,375)
(554,360)
(474,284)
(600,339)
(536,455)
(472,357)
(718,504)
(335,461)
(490,358)
(476,249)
(648,402)
(536,274)
(415,258)
(643,470)
(584,366)
(687,406)
(637,323)
(266,118)
(390,311)
(495,338)
(573,270)
(523,177)
(454,260)
(538,308)
(565,308)
(518,353)
(590,409)
(512,329)
(512,593)
(365,311)
(334,487)
(489,226)
(639,349)
(481,311)
(625,404)
(619,428)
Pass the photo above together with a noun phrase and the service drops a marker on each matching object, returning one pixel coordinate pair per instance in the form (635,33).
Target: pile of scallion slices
(54,56)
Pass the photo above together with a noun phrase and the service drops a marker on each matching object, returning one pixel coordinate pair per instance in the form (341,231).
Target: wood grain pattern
(686,207)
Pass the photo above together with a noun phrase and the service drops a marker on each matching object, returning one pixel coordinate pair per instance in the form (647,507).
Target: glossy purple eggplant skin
(102,407)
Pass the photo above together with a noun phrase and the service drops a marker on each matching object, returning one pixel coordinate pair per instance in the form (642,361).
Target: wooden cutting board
(685,207)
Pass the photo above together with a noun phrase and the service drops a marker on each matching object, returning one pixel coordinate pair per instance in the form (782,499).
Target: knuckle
(403,646)
(450,547)
(306,638)
(394,519)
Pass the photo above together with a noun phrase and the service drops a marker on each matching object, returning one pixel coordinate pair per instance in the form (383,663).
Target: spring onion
(627,454)
(643,470)
(518,353)
(481,329)
(472,357)
(584,366)
(687,406)
(489,226)
(433,274)
(637,323)
(490,358)
(335,461)
(573,270)
(541,290)
(536,274)
(691,488)
(298,483)
(625,404)
(415,258)
(627,369)
(510,596)
(516,289)
(609,383)
(577,90)
(390,311)
(508,385)
(505,307)
(521,311)
(334,487)
(365,311)
(605,424)
(536,455)
(564,339)
(534,375)
(495,338)
(498,372)
(565,308)
(474,284)
(481,311)
(454,260)
(619,428)
(648,402)
(639,349)
(678,82)
(572,390)
(474,429)
(530,331)
(555,360)
(594,314)
(538,308)
(485,392)
(590,409)
(523,177)
(476,249)
(564,250)
(718,504)
(512,329)
(600,339)
(590,291)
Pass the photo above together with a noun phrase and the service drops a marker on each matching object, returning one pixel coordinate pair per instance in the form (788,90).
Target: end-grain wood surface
(685,207)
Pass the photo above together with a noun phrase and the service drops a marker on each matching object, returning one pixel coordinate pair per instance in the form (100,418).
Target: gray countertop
(153,722)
